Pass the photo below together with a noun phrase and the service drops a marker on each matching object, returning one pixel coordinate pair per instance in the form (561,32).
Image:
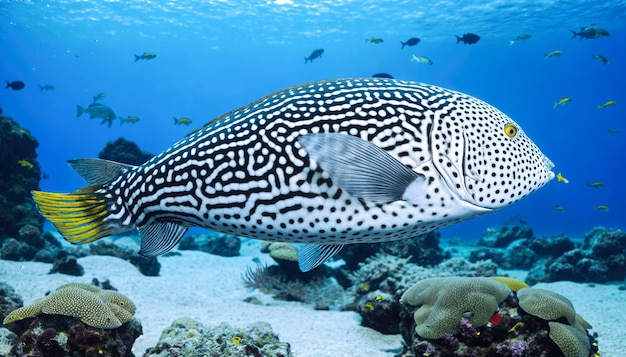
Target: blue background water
(214,56)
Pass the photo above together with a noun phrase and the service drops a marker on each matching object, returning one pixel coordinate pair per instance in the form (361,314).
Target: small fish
(590,32)
(410,42)
(421,59)
(315,54)
(25,163)
(98,96)
(610,103)
(601,208)
(559,208)
(562,101)
(560,178)
(145,56)
(97,110)
(382,75)
(15,85)
(292,168)
(129,119)
(516,326)
(468,314)
(596,184)
(613,131)
(521,37)
(374,40)
(182,121)
(46,87)
(556,53)
(468,38)
(495,319)
(601,58)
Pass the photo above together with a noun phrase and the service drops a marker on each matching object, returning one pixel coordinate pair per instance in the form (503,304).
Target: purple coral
(518,348)
(467,330)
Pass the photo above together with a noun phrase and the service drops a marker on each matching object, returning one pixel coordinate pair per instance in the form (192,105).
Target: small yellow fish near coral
(562,101)
(182,121)
(25,163)
(601,208)
(560,178)
(556,53)
(374,40)
(610,103)
(421,59)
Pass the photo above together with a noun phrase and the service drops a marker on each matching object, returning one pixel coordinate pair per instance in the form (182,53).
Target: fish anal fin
(359,167)
(311,256)
(159,237)
(98,171)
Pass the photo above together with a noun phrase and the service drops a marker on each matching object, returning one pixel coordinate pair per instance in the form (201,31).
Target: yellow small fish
(421,59)
(596,184)
(369,305)
(562,101)
(559,208)
(98,96)
(25,163)
(374,40)
(129,119)
(182,121)
(610,103)
(556,53)
(601,208)
(613,131)
(379,298)
(601,59)
(560,178)
(145,56)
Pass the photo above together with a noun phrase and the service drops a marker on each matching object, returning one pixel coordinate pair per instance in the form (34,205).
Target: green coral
(94,306)
(550,306)
(572,341)
(444,301)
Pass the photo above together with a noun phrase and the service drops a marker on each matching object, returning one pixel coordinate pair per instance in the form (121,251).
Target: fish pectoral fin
(98,171)
(359,167)
(311,256)
(159,237)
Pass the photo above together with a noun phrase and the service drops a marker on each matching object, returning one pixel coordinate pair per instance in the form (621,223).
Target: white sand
(208,288)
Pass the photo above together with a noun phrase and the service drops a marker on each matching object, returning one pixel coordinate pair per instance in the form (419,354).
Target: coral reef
(67,265)
(225,245)
(20,173)
(125,151)
(95,307)
(422,250)
(187,337)
(501,237)
(9,300)
(510,331)
(59,335)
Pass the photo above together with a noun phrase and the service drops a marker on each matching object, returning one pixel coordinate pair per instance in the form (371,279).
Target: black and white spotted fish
(325,164)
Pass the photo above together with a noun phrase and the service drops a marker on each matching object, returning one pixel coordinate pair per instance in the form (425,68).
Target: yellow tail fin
(78,216)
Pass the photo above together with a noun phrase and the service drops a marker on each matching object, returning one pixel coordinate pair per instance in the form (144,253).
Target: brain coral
(95,307)
(572,341)
(444,301)
(547,305)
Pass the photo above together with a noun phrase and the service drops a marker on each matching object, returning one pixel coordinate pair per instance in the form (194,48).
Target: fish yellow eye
(510,130)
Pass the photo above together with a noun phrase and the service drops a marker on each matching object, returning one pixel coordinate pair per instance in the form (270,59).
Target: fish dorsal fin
(159,237)
(311,256)
(361,168)
(98,171)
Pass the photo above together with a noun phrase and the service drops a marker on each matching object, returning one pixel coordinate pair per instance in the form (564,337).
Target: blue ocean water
(215,56)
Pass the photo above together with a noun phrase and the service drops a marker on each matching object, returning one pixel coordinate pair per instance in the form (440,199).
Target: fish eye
(510,130)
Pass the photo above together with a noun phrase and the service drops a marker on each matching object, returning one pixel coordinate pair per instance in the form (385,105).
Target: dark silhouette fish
(382,75)
(468,38)
(15,85)
(590,32)
(315,54)
(411,42)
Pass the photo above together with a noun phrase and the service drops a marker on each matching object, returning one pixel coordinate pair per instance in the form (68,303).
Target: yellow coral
(94,306)
(512,283)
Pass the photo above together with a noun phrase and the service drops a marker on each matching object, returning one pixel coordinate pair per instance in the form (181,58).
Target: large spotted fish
(325,164)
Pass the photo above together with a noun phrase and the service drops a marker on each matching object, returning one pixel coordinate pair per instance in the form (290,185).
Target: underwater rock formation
(125,151)
(20,173)
(528,322)
(225,245)
(148,266)
(188,337)
(501,237)
(44,334)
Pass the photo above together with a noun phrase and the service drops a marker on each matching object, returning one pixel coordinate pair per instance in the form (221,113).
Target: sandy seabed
(209,289)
